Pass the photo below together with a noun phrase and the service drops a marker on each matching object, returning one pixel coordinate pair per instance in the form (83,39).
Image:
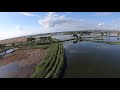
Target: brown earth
(26,59)
(13,40)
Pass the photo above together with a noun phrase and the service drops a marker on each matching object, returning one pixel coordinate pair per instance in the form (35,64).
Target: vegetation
(30,39)
(100,41)
(2,46)
(118,33)
(13,44)
(32,46)
(112,43)
(52,64)
(69,33)
(102,33)
(5,49)
(75,35)
(43,42)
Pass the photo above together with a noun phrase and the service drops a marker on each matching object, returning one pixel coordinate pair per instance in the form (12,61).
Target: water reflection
(92,59)
(6,52)
(10,70)
(77,40)
(113,39)
(118,38)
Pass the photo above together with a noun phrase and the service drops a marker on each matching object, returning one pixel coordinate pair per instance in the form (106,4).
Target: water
(92,60)
(84,59)
(6,52)
(113,39)
(63,37)
(10,70)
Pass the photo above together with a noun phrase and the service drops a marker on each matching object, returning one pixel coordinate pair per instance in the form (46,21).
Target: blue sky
(14,24)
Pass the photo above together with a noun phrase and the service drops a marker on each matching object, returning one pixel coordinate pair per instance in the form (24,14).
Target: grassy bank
(118,43)
(34,46)
(100,41)
(52,64)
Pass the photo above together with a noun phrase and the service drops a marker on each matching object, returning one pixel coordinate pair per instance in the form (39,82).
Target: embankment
(52,64)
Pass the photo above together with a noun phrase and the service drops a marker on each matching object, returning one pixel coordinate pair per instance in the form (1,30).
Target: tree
(30,39)
(102,33)
(13,44)
(118,33)
(106,33)
(81,34)
(75,35)
(2,46)
(88,33)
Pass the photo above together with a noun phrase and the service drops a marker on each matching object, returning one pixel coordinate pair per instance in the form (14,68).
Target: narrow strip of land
(52,64)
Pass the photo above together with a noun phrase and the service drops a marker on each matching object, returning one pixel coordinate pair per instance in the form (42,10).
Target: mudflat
(26,60)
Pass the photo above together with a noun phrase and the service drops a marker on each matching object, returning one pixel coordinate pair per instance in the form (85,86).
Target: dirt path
(26,59)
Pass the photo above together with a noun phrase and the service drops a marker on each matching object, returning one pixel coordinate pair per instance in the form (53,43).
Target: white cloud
(103,13)
(17,33)
(101,23)
(6,35)
(19,28)
(28,14)
(52,19)
(55,22)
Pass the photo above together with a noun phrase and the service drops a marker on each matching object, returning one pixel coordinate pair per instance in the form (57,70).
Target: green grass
(34,46)
(100,41)
(118,43)
(52,63)
(37,44)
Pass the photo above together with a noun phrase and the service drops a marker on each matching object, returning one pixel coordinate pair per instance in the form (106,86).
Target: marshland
(80,54)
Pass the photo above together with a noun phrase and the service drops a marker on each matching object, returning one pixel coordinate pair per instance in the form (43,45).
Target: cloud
(55,22)
(103,13)
(9,34)
(19,28)
(17,33)
(52,19)
(106,26)
(101,25)
(28,14)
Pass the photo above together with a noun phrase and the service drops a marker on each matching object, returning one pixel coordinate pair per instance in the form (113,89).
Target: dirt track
(26,59)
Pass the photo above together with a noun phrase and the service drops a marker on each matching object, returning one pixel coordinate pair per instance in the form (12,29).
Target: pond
(87,59)
(6,52)
(113,39)
(63,37)
(11,70)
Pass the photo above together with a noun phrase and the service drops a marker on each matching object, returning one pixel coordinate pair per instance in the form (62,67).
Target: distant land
(24,38)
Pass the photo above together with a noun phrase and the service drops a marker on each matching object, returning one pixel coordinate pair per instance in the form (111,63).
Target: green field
(52,64)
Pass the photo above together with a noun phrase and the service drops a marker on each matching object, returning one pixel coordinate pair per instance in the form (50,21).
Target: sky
(15,24)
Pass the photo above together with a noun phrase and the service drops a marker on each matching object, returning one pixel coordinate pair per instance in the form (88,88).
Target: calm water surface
(91,59)
(11,70)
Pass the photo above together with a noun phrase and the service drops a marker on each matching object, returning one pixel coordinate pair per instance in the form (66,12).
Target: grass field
(52,64)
